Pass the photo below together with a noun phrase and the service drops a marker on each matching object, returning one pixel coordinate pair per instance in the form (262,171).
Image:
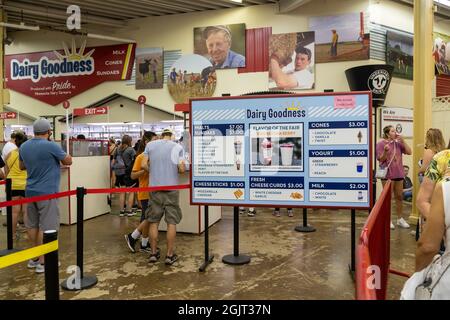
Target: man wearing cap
(41,158)
(165,161)
(218,43)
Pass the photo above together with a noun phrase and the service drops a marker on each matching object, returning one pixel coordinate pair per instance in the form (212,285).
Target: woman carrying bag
(389,153)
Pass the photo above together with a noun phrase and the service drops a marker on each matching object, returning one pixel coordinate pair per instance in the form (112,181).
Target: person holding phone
(389,153)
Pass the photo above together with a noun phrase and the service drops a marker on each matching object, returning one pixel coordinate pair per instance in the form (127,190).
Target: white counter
(90,173)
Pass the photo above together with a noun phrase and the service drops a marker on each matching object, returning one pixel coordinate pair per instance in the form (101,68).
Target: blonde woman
(389,153)
(434,143)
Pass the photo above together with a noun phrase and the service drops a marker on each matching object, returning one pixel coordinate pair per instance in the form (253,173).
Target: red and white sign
(344,102)
(56,76)
(90,111)
(142,99)
(8,115)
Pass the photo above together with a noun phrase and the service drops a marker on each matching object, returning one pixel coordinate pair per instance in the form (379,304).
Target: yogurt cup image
(287,152)
(359,167)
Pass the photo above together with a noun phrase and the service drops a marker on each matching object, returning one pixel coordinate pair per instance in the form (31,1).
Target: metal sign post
(66,105)
(141,101)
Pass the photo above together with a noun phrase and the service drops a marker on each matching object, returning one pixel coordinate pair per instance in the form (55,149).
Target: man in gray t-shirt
(164,159)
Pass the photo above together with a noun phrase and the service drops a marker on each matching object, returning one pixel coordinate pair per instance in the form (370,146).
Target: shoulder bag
(381,173)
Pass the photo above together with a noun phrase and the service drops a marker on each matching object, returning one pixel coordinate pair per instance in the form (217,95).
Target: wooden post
(423,79)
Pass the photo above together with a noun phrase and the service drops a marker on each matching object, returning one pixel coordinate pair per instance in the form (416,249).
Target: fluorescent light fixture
(172,121)
(445,3)
(103,37)
(17,126)
(19,26)
(105,124)
(238,1)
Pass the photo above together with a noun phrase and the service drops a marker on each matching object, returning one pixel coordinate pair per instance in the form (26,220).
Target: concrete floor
(285,264)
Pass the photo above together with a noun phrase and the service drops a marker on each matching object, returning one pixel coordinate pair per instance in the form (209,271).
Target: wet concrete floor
(285,264)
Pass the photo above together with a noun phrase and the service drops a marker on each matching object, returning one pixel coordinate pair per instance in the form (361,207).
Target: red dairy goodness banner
(55,76)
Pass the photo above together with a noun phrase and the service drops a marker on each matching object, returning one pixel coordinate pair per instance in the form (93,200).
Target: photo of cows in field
(399,54)
(191,76)
(149,68)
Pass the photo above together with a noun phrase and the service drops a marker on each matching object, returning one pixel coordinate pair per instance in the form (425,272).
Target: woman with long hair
(389,153)
(434,143)
(122,163)
(18,178)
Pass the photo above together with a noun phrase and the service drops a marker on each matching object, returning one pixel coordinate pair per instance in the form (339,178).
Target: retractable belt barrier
(51,249)
(91,191)
(27,254)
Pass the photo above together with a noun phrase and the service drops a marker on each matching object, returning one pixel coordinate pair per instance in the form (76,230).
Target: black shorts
(124,181)
(18,193)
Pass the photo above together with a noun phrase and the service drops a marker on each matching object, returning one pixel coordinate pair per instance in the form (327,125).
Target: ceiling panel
(113,14)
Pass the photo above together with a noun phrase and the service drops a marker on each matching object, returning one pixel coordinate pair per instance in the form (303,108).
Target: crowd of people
(33,165)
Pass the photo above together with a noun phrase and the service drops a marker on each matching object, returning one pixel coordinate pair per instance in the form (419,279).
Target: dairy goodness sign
(55,76)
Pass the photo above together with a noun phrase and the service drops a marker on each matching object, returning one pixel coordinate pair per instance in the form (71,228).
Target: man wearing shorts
(41,158)
(165,160)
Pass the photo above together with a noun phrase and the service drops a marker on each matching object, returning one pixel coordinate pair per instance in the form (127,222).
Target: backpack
(128,170)
(119,165)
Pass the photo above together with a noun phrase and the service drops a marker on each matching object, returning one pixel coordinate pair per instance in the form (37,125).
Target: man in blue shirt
(165,161)
(218,43)
(41,158)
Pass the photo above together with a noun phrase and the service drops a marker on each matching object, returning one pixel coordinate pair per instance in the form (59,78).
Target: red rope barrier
(145,189)
(91,191)
(38,198)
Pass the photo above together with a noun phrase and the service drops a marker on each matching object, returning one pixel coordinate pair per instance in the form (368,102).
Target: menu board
(282,150)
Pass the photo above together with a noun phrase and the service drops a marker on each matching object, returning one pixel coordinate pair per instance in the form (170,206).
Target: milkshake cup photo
(238,164)
(287,151)
(266,151)
(237,147)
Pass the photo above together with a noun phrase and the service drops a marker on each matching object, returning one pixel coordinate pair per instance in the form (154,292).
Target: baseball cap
(41,126)
(167,130)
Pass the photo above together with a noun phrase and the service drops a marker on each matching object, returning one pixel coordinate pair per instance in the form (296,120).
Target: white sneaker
(40,268)
(402,223)
(32,264)
(392,226)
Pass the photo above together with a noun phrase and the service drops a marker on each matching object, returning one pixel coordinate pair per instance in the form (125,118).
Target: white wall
(130,112)
(176,32)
